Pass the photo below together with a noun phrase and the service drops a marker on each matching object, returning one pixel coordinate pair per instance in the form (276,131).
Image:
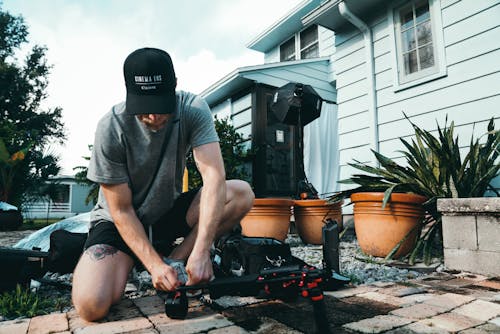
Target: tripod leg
(320,319)
(331,245)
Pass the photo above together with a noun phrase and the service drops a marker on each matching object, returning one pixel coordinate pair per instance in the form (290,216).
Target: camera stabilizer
(284,282)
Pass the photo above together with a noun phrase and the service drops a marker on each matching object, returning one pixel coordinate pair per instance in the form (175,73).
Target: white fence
(42,209)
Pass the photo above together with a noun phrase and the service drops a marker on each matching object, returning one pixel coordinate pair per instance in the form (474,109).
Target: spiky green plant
(21,302)
(435,169)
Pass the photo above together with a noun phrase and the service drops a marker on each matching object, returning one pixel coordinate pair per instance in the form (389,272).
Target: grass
(36,224)
(21,302)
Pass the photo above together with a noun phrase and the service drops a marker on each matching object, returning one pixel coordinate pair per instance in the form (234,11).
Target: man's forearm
(132,232)
(212,201)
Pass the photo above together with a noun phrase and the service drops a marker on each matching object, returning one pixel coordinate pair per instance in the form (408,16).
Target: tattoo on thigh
(99,252)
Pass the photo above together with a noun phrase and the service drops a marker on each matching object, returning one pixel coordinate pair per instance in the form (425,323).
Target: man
(138,159)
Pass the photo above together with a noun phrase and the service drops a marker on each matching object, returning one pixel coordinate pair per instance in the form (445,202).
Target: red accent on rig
(317,298)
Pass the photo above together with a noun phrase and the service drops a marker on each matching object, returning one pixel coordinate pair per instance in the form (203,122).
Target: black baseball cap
(150,81)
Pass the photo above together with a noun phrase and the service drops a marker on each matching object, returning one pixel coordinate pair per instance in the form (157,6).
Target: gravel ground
(353,263)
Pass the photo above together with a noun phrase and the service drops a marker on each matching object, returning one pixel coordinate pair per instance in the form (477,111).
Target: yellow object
(185,181)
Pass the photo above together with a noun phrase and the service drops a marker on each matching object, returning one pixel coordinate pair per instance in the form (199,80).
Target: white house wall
(326,39)
(469,94)
(272,56)
(222,110)
(238,112)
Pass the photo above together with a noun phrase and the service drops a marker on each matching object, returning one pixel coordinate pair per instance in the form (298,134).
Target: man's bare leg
(99,280)
(239,200)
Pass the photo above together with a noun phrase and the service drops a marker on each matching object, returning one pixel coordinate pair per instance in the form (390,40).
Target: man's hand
(199,269)
(164,277)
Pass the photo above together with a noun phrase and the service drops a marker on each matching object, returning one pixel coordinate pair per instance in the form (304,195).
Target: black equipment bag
(19,266)
(238,255)
(65,250)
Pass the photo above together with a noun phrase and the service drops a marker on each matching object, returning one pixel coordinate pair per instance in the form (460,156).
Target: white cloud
(198,72)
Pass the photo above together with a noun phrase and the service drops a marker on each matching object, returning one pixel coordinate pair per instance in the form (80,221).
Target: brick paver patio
(433,304)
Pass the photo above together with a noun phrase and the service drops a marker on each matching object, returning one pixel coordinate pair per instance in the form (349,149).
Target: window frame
(402,81)
(297,44)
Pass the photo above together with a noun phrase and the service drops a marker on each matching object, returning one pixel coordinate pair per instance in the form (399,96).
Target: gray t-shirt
(126,151)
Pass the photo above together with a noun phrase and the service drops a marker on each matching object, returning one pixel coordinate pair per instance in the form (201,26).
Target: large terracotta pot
(379,230)
(269,217)
(310,216)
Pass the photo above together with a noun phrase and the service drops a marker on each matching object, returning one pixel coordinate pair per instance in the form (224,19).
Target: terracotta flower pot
(310,215)
(269,217)
(379,230)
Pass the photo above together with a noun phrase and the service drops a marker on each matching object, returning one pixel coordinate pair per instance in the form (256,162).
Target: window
(303,45)
(287,50)
(309,43)
(419,47)
(60,193)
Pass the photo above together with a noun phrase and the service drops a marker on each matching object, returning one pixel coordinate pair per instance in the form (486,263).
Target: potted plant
(434,169)
(269,217)
(380,228)
(310,216)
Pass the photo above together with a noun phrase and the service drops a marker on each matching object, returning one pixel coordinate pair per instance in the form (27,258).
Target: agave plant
(435,169)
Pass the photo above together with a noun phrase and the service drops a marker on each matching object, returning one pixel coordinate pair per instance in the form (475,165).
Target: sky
(88,40)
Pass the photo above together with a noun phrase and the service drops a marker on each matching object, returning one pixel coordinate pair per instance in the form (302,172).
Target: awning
(315,72)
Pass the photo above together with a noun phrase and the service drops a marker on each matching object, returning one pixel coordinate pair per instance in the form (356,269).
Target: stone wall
(471,234)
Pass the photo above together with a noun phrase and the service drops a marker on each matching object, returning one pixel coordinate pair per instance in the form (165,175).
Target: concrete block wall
(471,234)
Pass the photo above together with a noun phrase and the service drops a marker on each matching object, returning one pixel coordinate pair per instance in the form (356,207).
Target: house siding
(78,194)
(222,110)
(326,39)
(272,56)
(469,94)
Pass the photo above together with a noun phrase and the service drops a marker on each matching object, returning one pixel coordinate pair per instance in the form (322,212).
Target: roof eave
(327,14)
(283,28)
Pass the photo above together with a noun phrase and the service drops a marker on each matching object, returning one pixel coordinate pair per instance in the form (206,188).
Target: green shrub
(234,154)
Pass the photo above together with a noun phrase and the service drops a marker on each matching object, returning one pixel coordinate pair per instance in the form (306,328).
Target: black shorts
(168,228)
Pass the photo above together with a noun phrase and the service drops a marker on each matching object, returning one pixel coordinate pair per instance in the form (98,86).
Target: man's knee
(241,193)
(91,308)
(98,285)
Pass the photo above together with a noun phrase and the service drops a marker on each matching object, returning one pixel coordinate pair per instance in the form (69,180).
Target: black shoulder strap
(168,135)
(164,145)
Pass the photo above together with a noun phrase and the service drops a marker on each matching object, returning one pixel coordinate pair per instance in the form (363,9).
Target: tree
(234,153)
(23,123)
(81,178)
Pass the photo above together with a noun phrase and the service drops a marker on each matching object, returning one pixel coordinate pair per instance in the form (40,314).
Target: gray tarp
(7,207)
(41,238)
